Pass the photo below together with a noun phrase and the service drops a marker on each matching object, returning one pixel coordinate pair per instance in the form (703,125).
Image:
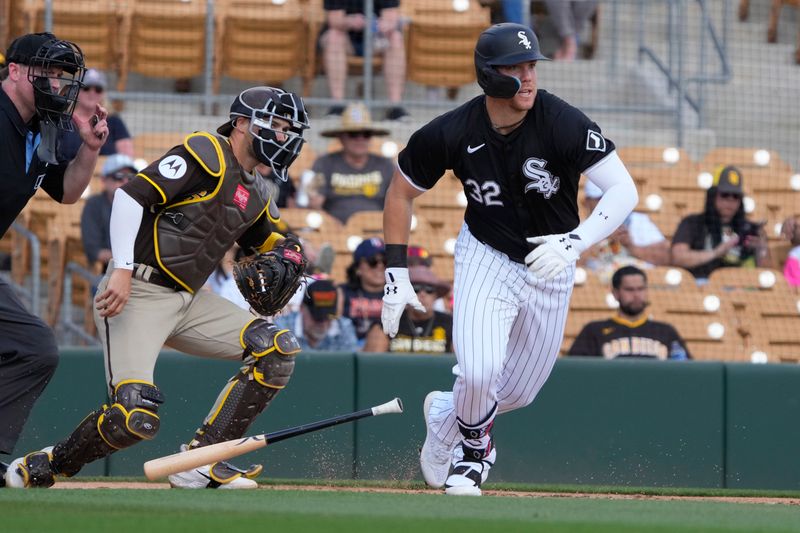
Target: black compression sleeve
(397,255)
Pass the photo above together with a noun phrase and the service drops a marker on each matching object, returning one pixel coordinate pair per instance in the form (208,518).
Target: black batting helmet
(504,44)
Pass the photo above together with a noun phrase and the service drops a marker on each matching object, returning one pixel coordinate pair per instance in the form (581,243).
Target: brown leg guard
(130,418)
(269,353)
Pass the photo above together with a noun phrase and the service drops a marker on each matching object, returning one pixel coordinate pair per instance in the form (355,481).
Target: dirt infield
(111,484)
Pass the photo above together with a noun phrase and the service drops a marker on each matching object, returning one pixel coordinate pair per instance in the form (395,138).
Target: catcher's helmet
(504,44)
(260,105)
(58,80)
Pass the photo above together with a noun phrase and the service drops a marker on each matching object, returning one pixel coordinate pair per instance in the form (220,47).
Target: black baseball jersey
(519,185)
(617,337)
(18,184)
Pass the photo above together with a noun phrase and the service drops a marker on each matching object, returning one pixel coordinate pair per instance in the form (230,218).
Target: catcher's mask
(503,45)
(262,105)
(55,70)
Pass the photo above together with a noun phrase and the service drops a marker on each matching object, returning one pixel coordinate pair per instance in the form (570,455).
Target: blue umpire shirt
(21,171)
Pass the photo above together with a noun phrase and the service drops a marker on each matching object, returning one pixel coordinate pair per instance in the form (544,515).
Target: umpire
(40,85)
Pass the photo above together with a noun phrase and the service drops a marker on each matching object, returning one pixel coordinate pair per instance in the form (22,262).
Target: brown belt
(152,275)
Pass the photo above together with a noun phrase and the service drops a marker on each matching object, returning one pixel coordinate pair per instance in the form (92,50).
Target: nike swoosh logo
(471,150)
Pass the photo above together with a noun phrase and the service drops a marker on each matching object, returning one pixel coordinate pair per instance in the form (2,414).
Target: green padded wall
(637,423)
(763,422)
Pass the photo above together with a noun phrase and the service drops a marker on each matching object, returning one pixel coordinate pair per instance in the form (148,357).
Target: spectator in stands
(118,170)
(351,179)
(638,241)
(221,280)
(361,297)
(343,35)
(119,140)
(630,333)
(426,331)
(569,18)
(316,324)
(720,236)
(417,255)
(790,230)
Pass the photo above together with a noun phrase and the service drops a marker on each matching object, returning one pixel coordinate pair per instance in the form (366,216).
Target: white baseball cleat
(436,456)
(467,476)
(31,471)
(220,475)
(215,476)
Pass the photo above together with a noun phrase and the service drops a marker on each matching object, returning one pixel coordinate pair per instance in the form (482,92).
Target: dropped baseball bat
(222,451)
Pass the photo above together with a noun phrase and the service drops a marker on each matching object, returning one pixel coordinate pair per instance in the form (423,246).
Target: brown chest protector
(192,235)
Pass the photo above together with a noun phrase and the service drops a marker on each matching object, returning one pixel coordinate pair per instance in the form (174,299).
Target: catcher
(170,226)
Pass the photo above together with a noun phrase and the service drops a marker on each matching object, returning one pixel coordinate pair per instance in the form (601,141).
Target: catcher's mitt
(269,280)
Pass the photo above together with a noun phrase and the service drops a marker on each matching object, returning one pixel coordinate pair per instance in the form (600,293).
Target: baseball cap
(422,275)
(117,162)
(95,78)
(24,48)
(591,190)
(244,104)
(368,248)
(320,298)
(417,255)
(728,179)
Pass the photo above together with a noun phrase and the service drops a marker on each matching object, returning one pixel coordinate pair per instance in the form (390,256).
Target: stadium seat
(744,158)
(93,24)
(163,39)
(441,42)
(654,157)
(259,41)
(152,145)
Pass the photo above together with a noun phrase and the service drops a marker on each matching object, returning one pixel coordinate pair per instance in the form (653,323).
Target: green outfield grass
(156,511)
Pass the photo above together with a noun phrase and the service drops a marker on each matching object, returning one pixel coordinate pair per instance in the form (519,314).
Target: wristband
(396,255)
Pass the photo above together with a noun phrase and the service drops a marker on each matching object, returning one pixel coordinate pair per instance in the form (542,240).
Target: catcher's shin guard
(269,352)
(131,417)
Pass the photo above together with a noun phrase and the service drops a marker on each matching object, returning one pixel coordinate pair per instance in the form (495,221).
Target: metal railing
(66,321)
(673,68)
(32,295)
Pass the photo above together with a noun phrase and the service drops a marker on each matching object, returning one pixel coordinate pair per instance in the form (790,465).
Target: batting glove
(397,293)
(553,254)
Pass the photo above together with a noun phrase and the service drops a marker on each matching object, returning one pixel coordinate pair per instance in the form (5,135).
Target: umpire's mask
(262,105)
(55,70)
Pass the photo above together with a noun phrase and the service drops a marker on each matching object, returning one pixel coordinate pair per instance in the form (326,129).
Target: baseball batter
(519,152)
(170,227)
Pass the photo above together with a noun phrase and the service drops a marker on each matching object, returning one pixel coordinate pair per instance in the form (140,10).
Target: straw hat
(355,118)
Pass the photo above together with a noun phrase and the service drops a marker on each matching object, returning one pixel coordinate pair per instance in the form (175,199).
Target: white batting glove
(553,254)
(397,293)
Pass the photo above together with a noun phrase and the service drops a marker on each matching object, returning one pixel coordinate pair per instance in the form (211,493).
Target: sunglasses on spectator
(120,176)
(95,88)
(375,261)
(430,289)
(729,196)
(357,134)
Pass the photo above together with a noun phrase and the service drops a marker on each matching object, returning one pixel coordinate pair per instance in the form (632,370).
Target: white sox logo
(172,167)
(541,180)
(523,40)
(595,142)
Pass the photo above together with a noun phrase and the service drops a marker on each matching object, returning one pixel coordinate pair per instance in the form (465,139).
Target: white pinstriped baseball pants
(508,327)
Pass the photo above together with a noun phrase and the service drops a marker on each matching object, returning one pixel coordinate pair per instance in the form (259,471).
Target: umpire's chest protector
(192,235)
